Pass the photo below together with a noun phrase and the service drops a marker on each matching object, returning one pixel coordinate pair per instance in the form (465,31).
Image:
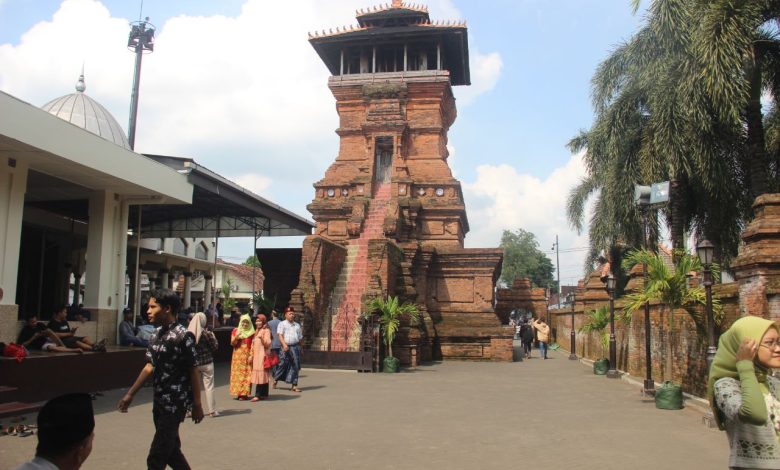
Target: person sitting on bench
(59,325)
(35,335)
(128,332)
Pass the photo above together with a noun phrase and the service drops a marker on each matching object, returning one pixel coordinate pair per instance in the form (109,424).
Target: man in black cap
(66,427)
(172,365)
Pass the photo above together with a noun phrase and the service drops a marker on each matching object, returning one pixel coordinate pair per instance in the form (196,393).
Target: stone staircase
(353,280)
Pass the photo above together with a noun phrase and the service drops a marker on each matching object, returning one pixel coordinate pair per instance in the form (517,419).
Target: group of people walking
(180,362)
(265,351)
(530,331)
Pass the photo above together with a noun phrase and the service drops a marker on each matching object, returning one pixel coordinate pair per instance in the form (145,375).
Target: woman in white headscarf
(205,345)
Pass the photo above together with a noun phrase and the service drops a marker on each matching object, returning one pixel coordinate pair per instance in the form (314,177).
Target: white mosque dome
(81,110)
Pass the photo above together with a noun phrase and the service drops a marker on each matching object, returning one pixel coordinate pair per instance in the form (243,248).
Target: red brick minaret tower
(389,198)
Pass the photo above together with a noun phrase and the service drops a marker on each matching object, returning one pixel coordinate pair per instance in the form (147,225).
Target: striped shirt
(291,332)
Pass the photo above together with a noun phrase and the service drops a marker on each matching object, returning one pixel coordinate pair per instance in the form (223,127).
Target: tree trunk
(756,143)
(677,189)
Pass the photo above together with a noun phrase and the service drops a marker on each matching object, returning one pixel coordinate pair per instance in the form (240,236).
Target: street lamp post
(706,251)
(573,348)
(649,385)
(612,373)
(646,197)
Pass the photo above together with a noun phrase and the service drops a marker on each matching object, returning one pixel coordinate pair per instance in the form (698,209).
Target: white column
(107,229)
(13,185)
(164,278)
(187,289)
(77,288)
(207,290)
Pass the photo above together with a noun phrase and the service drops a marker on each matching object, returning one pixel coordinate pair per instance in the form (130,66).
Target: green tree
(253,261)
(227,302)
(522,258)
(670,286)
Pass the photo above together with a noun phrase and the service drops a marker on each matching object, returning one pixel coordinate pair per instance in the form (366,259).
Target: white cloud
(243,93)
(257,183)
(485,72)
(502,198)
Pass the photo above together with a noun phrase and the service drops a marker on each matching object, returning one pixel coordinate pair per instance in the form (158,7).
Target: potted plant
(598,320)
(391,311)
(669,286)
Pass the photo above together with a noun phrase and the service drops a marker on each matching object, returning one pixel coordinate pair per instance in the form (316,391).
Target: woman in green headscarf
(241,365)
(745,399)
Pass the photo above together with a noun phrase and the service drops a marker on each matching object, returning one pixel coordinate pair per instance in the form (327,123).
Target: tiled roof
(389,6)
(353,29)
(244,272)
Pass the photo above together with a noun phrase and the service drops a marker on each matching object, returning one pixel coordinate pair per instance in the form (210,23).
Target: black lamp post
(573,347)
(642,201)
(612,373)
(706,252)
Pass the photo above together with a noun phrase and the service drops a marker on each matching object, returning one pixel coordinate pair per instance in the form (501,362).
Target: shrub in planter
(600,366)
(597,322)
(390,312)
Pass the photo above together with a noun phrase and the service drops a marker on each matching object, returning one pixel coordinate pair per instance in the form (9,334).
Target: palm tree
(391,312)
(669,286)
(653,123)
(597,322)
(739,52)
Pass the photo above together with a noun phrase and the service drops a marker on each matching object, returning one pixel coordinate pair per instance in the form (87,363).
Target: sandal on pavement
(275,381)
(295,389)
(255,399)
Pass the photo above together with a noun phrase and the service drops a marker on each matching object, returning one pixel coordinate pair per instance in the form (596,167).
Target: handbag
(17,351)
(270,360)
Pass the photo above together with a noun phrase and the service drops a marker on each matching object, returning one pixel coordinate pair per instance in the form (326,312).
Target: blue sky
(235,85)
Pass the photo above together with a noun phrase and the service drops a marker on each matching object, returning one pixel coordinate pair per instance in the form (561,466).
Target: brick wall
(687,345)
(321,263)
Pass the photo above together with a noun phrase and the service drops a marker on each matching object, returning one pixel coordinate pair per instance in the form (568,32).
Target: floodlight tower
(141,40)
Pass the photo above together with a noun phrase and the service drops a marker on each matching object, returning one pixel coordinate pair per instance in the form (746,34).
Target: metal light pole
(612,373)
(558,267)
(649,385)
(573,347)
(706,250)
(141,40)
(645,197)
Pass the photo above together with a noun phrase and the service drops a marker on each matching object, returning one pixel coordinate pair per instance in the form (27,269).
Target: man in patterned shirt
(172,364)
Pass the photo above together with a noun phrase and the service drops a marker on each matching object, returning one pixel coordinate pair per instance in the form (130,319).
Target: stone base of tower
(452,286)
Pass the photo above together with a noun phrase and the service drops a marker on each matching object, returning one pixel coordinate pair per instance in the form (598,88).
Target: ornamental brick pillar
(757,266)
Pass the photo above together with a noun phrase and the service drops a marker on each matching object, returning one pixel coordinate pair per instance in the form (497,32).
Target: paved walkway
(552,414)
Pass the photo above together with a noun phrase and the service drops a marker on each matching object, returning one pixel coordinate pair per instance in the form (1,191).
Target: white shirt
(291,332)
(38,463)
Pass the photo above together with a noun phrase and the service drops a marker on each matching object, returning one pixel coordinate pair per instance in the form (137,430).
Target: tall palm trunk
(677,190)
(756,143)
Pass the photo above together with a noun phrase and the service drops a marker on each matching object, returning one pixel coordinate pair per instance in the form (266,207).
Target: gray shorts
(48,345)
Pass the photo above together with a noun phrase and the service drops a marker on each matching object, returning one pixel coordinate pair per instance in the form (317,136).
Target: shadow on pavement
(233,412)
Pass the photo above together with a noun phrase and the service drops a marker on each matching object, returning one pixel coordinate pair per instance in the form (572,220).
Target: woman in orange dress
(260,349)
(241,365)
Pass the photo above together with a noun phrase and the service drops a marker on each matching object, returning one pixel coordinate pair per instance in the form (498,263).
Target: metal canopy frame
(220,208)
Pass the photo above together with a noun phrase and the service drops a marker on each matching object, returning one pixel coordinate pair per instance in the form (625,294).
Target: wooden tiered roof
(395,23)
